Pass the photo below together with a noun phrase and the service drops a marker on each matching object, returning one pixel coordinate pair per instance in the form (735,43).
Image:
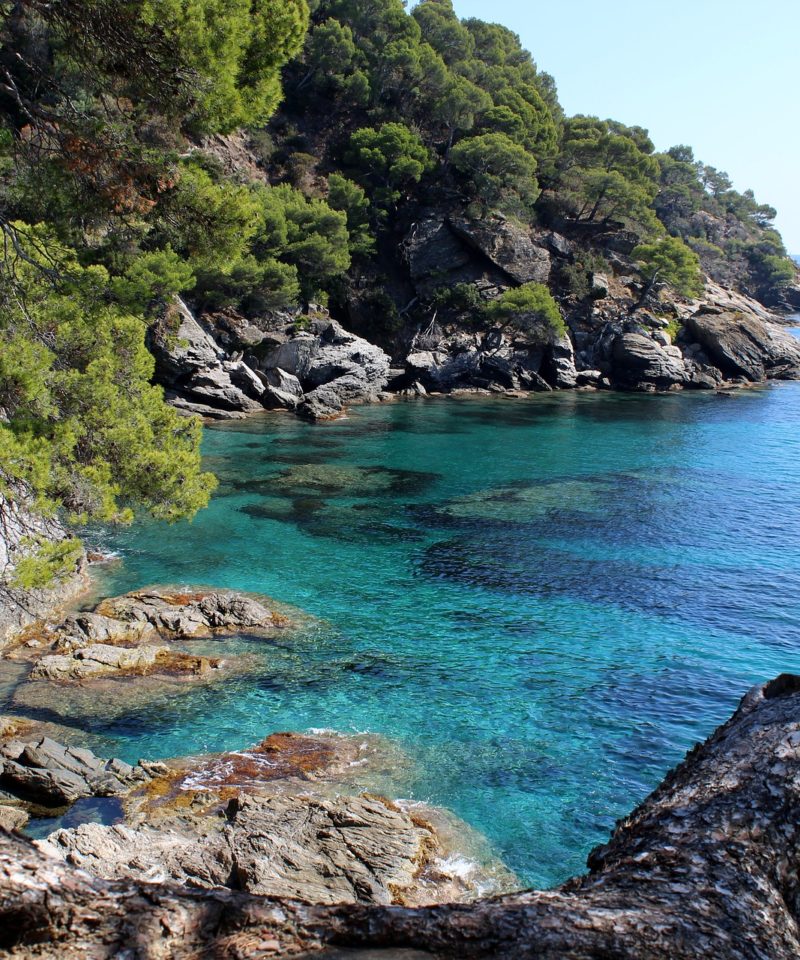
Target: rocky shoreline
(287,817)
(705,867)
(224,366)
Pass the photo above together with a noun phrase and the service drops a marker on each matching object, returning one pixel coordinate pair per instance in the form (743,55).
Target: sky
(720,75)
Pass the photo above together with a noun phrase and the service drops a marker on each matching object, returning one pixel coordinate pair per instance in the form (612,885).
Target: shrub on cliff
(389,159)
(499,173)
(668,261)
(529,310)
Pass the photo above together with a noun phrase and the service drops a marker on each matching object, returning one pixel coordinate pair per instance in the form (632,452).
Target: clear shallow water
(546,604)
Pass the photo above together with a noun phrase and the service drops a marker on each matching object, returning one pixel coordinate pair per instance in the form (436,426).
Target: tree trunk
(706,867)
(649,287)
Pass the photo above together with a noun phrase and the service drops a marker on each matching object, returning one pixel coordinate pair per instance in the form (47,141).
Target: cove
(543,603)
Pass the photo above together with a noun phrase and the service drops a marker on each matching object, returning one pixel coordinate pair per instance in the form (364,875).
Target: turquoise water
(544,602)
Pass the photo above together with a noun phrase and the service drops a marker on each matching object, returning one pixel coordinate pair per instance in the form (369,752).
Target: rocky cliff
(706,867)
(224,365)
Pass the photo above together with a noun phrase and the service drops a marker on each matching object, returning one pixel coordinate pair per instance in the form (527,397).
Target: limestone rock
(284,381)
(321,370)
(437,257)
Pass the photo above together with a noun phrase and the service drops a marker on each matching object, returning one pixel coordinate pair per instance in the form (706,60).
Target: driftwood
(706,867)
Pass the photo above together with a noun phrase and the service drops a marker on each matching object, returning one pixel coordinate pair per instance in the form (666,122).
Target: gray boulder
(96,660)
(12,817)
(639,363)
(283,381)
(176,616)
(743,345)
(559,368)
(53,775)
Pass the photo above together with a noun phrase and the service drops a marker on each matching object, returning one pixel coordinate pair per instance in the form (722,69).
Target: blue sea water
(544,602)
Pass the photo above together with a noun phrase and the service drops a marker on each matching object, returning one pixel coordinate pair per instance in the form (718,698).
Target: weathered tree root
(706,867)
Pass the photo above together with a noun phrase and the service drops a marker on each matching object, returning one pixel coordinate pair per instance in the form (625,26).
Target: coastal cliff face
(705,867)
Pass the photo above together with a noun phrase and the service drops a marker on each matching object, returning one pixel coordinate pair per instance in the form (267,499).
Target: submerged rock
(155,644)
(325,763)
(347,481)
(526,503)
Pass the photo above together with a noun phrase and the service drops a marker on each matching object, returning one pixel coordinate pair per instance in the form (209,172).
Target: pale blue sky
(720,75)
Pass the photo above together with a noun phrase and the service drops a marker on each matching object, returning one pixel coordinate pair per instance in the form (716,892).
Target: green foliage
(351,199)
(499,173)
(462,298)
(152,279)
(84,427)
(390,160)
(233,50)
(208,222)
(336,64)
(529,309)
(606,173)
(305,233)
(669,261)
(44,563)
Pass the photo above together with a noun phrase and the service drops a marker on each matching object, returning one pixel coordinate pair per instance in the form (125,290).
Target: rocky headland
(222,365)
(705,867)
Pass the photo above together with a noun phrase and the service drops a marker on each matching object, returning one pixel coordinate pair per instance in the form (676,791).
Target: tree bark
(706,867)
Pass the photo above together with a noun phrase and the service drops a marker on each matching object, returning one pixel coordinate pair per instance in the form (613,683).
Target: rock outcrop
(744,345)
(285,818)
(343,850)
(48,774)
(508,246)
(133,635)
(321,370)
(198,375)
(706,867)
(229,368)
(20,532)
(642,363)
